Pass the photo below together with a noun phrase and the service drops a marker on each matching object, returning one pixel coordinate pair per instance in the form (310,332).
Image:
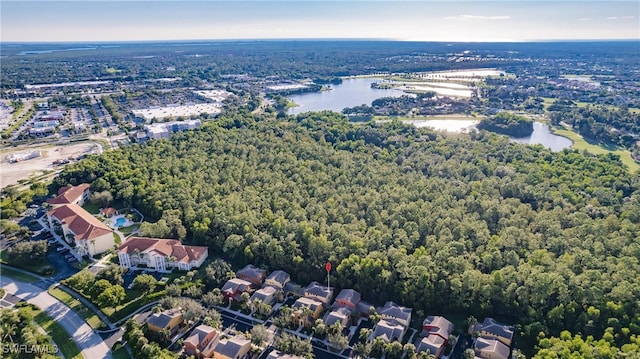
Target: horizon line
(366,39)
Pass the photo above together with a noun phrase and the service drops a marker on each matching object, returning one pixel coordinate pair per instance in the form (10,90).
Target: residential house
(388,330)
(71,195)
(275,354)
(293,289)
(232,348)
(170,320)
(491,349)
(252,274)
(202,341)
(347,298)
(490,328)
(108,212)
(266,295)
(277,279)
(160,254)
(339,315)
(435,335)
(319,292)
(90,236)
(233,288)
(392,311)
(314,311)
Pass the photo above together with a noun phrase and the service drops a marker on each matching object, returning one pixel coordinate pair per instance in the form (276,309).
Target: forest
(469,224)
(507,124)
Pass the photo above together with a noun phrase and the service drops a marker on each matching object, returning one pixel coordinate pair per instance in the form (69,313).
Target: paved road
(92,346)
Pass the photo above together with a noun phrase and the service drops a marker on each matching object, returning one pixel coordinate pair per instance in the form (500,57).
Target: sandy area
(11,173)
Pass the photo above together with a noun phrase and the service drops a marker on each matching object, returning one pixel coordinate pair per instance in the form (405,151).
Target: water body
(451,125)
(542,135)
(355,92)
(352,92)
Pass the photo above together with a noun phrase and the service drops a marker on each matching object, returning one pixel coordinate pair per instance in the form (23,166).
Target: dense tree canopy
(473,224)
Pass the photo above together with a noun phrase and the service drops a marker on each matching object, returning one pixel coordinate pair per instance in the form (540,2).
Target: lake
(542,135)
(351,93)
(358,91)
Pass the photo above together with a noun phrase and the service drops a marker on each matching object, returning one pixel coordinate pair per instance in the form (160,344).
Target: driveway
(88,341)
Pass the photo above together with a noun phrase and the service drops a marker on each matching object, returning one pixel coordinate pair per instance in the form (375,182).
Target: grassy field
(8,272)
(83,311)
(579,143)
(60,336)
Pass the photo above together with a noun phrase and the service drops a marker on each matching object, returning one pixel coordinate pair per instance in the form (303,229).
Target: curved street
(89,342)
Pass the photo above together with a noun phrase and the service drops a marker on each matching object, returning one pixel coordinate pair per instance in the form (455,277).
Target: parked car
(62,249)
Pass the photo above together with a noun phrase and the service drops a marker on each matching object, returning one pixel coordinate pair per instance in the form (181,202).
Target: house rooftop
(437,325)
(162,319)
(338,315)
(68,194)
(83,225)
(199,334)
(279,276)
(251,273)
(491,325)
(318,290)
(499,350)
(348,295)
(263,293)
(232,346)
(393,310)
(307,302)
(388,330)
(275,354)
(432,343)
(165,247)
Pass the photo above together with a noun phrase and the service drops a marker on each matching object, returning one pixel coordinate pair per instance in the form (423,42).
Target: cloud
(585,19)
(478,17)
(626,17)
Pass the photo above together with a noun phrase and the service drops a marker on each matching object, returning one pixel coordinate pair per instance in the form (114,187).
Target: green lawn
(60,336)
(8,272)
(91,207)
(82,310)
(117,239)
(579,143)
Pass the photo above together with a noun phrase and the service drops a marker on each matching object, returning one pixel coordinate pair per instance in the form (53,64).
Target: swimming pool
(120,222)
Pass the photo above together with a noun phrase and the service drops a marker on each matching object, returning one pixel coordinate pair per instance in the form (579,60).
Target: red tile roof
(166,247)
(69,194)
(80,222)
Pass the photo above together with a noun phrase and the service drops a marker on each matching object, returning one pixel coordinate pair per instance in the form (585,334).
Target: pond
(542,135)
(351,93)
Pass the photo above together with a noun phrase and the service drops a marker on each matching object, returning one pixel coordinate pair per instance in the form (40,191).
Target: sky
(417,20)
